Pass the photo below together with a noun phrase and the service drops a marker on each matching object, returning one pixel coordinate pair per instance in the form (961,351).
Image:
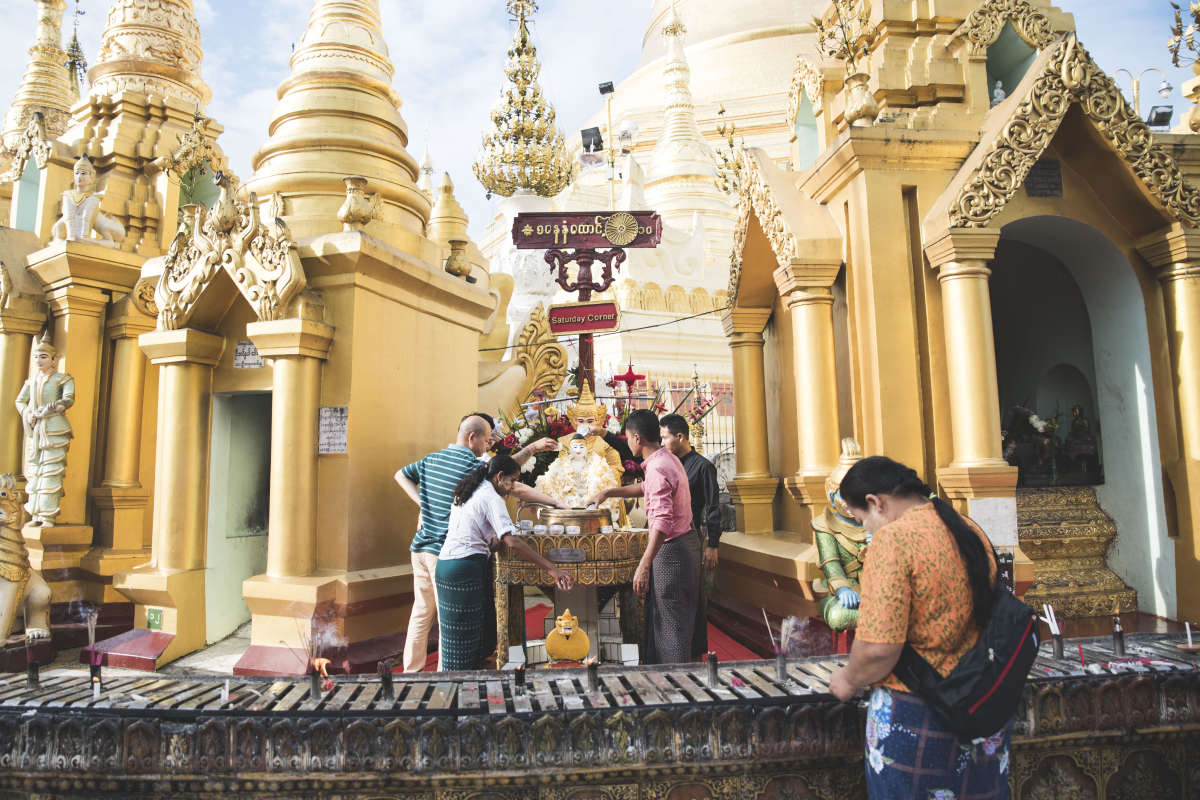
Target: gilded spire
(46,86)
(426,182)
(338,115)
(681,148)
(448,220)
(151,48)
(524,151)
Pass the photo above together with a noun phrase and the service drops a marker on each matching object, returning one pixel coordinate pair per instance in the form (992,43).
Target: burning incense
(1082,663)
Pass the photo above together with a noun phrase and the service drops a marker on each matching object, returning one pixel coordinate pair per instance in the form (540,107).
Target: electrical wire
(614,333)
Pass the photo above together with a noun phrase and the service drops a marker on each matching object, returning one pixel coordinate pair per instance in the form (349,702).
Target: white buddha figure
(81,213)
(578,476)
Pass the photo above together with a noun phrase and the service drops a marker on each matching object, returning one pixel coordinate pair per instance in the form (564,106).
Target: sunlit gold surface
(524,150)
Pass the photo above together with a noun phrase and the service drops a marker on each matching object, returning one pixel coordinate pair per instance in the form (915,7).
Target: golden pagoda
(524,151)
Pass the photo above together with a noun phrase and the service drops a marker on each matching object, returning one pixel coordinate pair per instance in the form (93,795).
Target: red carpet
(726,648)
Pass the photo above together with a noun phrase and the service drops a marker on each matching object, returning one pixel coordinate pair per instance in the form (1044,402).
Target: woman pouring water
(479,522)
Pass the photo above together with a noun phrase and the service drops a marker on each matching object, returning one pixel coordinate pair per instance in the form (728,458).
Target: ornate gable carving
(34,143)
(1069,77)
(755,197)
(806,77)
(261,260)
(982,28)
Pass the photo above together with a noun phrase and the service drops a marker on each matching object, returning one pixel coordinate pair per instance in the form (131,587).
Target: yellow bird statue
(567,642)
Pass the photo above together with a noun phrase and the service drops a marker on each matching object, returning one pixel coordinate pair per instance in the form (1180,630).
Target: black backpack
(981,694)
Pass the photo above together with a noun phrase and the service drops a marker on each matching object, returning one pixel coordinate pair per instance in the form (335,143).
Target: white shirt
(476,524)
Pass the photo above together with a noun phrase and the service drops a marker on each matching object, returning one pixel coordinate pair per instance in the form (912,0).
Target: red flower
(510,441)
(659,407)
(327,685)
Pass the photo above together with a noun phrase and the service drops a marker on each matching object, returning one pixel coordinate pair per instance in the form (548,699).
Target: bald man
(430,483)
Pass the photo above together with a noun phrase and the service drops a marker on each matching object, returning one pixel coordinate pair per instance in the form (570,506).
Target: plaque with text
(567,555)
(595,317)
(1044,179)
(245,356)
(333,430)
(587,230)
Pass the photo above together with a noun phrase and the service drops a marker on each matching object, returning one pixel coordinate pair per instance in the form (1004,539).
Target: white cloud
(449,56)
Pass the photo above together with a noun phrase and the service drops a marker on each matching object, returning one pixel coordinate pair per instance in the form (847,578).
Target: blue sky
(449,55)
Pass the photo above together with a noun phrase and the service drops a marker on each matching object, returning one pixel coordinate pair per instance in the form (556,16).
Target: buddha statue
(81,215)
(582,473)
(42,404)
(842,545)
(588,417)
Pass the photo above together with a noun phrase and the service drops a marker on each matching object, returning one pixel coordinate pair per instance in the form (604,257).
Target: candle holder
(593,676)
(1118,637)
(1056,644)
(385,677)
(714,679)
(519,678)
(781,666)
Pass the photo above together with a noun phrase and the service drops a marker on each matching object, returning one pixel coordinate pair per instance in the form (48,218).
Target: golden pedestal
(1067,535)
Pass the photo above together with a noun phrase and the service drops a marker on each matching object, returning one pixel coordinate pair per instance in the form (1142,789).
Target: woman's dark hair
(499,465)
(882,475)
(644,424)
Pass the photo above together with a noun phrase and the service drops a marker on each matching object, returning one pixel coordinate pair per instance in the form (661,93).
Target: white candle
(1188,625)
(95,688)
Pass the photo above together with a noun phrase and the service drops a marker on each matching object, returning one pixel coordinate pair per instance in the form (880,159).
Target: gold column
(806,289)
(79,280)
(296,348)
(169,591)
(18,325)
(1175,252)
(120,501)
(283,601)
(753,489)
(978,468)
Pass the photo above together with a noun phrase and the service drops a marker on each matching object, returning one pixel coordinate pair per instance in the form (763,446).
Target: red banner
(602,315)
(589,230)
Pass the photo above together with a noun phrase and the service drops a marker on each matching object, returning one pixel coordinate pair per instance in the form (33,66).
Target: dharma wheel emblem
(621,229)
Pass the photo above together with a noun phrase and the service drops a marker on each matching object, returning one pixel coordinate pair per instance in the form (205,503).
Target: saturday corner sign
(595,316)
(590,230)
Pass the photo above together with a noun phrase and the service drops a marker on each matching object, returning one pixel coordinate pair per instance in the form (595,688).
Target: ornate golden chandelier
(525,150)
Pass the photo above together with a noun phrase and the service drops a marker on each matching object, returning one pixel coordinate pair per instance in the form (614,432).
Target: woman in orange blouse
(928,581)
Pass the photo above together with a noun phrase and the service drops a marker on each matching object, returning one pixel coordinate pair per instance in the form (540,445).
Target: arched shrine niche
(1045,367)
(1008,59)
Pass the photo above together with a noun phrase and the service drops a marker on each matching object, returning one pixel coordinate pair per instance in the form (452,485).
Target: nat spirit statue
(81,213)
(1080,450)
(579,476)
(20,585)
(842,545)
(42,403)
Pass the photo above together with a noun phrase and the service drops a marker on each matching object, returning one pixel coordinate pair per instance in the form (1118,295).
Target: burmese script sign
(587,230)
(592,317)
(333,429)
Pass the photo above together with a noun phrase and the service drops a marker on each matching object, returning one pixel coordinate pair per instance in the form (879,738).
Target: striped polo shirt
(436,475)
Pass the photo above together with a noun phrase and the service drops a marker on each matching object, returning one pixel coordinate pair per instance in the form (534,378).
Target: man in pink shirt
(669,572)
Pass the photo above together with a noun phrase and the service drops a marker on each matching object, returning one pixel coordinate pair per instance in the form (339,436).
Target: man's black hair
(645,424)
(676,425)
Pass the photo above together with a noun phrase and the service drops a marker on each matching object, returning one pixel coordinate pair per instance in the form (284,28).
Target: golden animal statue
(538,362)
(567,642)
(21,587)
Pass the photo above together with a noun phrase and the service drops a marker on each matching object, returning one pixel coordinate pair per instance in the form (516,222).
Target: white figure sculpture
(577,476)
(998,94)
(81,213)
(42,403)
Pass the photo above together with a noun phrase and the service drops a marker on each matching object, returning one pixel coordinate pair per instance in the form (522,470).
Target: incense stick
(1082,663)
(774,646)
